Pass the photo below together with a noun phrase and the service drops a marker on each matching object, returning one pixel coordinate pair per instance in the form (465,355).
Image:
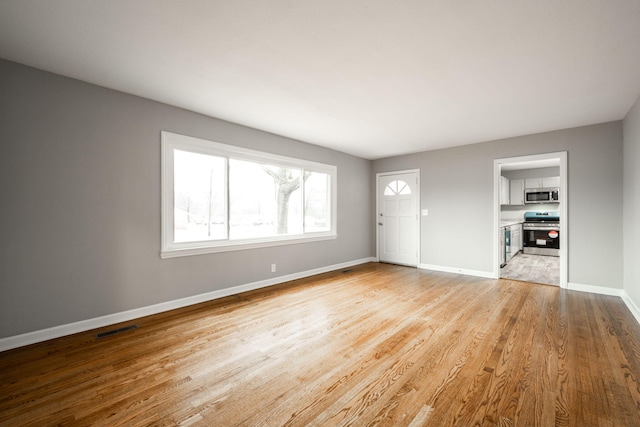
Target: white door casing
(564,202)
(397,218)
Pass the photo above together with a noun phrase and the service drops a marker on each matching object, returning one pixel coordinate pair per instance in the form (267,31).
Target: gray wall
(457,188)
(80,217)
(80,191)
(632,203)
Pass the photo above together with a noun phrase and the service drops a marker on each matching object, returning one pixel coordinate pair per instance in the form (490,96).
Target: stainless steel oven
(541,233)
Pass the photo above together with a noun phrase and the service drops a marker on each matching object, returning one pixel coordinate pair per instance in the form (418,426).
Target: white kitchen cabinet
(553,181)
(532,183)
(504,191)
(516,192)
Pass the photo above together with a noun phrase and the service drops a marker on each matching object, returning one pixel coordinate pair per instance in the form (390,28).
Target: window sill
(242,245)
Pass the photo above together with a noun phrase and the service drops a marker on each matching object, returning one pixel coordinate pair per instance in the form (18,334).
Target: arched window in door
(397,187)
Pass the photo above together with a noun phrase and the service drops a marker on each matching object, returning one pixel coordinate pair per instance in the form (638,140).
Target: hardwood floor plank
(493,380)
(609,351)
(627,348)
(473,377)
(378,345)
(426,387)
(544,375)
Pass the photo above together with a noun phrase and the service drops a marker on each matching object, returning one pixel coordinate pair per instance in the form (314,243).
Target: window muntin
(398,187)
(218,197)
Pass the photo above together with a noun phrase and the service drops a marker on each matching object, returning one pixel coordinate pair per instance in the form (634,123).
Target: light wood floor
(378,345)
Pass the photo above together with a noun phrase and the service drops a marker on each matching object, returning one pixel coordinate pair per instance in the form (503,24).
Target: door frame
(564,209)
(418,208)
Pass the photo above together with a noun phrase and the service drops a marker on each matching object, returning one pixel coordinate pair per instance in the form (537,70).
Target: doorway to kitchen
(530,218)
(397,217)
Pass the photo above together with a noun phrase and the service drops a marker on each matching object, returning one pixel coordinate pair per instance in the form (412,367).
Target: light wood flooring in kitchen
(533,268)
(374,345)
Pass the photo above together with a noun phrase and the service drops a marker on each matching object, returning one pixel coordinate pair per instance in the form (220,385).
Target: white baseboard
(477,273)
(631,305)
(602,290)
(124,316)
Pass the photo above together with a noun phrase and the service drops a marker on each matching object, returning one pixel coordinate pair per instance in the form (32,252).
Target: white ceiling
(373,78)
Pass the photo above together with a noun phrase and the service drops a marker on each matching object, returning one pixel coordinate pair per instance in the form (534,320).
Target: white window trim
(171,249)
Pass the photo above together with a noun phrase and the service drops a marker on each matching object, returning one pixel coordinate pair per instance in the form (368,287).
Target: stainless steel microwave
(542,195)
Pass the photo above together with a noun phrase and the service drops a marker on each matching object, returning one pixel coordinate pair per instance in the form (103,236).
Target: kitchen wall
(532,173)
(631,235)
(457,188)
(80,217)
(509,212)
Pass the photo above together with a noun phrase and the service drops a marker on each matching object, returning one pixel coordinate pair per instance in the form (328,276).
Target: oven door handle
(540,228)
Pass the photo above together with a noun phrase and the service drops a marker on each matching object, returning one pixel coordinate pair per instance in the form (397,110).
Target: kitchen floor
(533,268)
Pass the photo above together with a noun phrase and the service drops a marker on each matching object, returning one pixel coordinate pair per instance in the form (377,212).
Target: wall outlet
(273,268)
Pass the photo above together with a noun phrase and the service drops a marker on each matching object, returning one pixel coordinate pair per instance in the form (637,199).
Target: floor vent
(116,331)
(347,270)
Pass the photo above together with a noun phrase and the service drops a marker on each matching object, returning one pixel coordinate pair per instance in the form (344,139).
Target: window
(397,187)
(217,197)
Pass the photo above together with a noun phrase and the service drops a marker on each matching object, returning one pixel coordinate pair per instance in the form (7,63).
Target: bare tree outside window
(286,183)
(264,200)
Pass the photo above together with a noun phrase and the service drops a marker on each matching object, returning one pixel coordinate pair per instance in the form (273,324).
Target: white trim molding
(615,292)
(602,290)
(418,209)
(564,203)
(631,305)
(172,143)
(28,338)
(455,270)
(16,341)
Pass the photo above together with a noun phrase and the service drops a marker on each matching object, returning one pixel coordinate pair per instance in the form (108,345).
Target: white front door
(397,218)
